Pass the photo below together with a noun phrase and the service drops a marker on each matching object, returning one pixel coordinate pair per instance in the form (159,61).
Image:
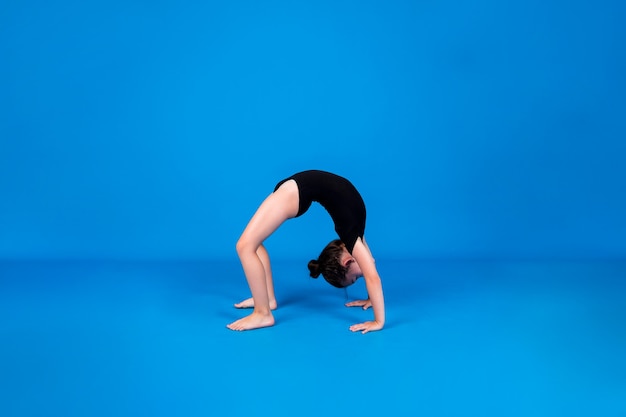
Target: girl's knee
(245,246)
(239,247)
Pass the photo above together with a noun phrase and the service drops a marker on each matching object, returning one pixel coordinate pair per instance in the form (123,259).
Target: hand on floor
(360,303)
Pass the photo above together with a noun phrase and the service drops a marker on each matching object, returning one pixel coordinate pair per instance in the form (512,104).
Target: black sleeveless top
(340,199)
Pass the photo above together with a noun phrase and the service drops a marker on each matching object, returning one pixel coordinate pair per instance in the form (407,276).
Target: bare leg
(265,259)
(276,209)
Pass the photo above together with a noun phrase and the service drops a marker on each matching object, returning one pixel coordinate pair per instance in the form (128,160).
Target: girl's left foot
(249,303)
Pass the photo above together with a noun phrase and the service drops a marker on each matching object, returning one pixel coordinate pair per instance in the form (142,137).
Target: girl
(341,263)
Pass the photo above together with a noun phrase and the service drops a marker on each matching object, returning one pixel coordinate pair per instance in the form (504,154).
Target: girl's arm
(374,287)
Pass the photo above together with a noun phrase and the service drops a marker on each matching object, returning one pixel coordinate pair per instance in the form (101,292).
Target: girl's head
(336,265)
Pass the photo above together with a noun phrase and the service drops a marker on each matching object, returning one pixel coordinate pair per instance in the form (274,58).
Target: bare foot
(249,303)
(253,321)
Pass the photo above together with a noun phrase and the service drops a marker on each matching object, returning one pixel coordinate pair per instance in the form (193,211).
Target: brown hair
(328,264)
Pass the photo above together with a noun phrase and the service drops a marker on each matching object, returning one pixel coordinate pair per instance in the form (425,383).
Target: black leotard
(340,199)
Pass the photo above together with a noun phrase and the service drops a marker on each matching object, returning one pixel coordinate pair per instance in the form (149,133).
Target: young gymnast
(341,262)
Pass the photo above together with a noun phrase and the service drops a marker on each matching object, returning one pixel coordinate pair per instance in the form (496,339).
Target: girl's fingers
(365,327)
(358,303)
(359,327)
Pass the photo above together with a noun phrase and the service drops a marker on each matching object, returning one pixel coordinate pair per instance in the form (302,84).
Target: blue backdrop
(153,129)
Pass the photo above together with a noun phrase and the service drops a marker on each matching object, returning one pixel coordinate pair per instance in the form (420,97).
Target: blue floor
(462,339)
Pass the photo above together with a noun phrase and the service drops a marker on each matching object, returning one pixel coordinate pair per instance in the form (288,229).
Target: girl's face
(354,270)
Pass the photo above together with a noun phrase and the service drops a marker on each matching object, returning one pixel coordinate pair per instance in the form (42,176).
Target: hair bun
(314,268)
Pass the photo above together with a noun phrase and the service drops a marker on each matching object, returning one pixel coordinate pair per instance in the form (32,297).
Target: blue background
(139,129)
(487,138)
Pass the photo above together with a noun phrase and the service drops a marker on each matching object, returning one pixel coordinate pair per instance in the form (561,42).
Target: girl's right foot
(253,321)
